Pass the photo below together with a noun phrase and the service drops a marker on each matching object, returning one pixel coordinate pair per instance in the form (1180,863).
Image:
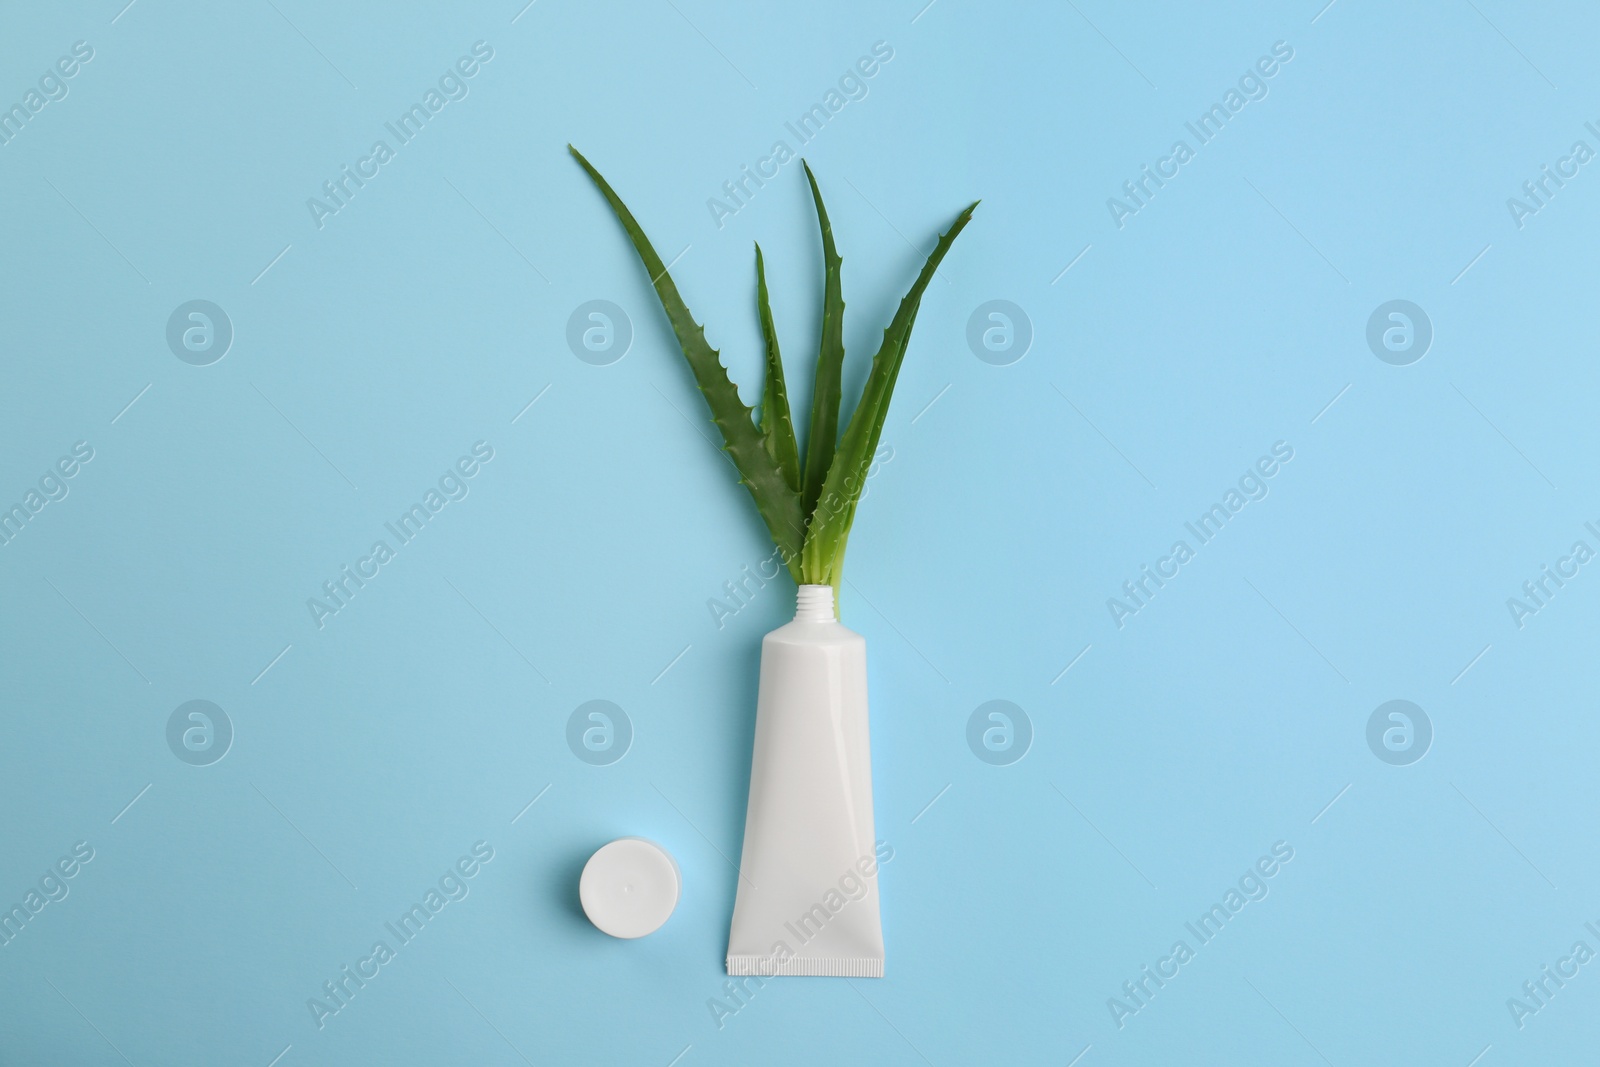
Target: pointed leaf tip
(823,438)
(777,427)
(827,536)
(774,496)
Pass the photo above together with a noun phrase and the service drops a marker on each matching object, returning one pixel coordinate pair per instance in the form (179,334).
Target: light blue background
(1224,717)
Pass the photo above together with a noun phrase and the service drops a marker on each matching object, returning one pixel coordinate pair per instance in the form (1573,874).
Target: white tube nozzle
(815,604)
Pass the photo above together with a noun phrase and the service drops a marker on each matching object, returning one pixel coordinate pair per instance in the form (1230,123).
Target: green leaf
(822,559)
(777,502)
(825,394)
(777,428)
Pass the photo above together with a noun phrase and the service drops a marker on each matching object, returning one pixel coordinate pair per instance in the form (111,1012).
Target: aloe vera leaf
(777,429)
(778,504)
(823,438)
(823,555)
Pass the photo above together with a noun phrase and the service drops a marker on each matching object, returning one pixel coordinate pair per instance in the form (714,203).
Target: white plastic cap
(630,887)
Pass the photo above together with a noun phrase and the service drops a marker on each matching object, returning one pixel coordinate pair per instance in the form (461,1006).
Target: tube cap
(630,887)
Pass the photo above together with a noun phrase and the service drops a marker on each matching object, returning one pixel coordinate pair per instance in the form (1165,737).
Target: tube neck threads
(815,604)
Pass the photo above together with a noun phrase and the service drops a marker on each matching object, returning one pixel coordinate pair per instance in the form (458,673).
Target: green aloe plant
(808,507)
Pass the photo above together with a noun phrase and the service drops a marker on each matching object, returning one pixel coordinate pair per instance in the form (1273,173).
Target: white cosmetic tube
(807,901)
